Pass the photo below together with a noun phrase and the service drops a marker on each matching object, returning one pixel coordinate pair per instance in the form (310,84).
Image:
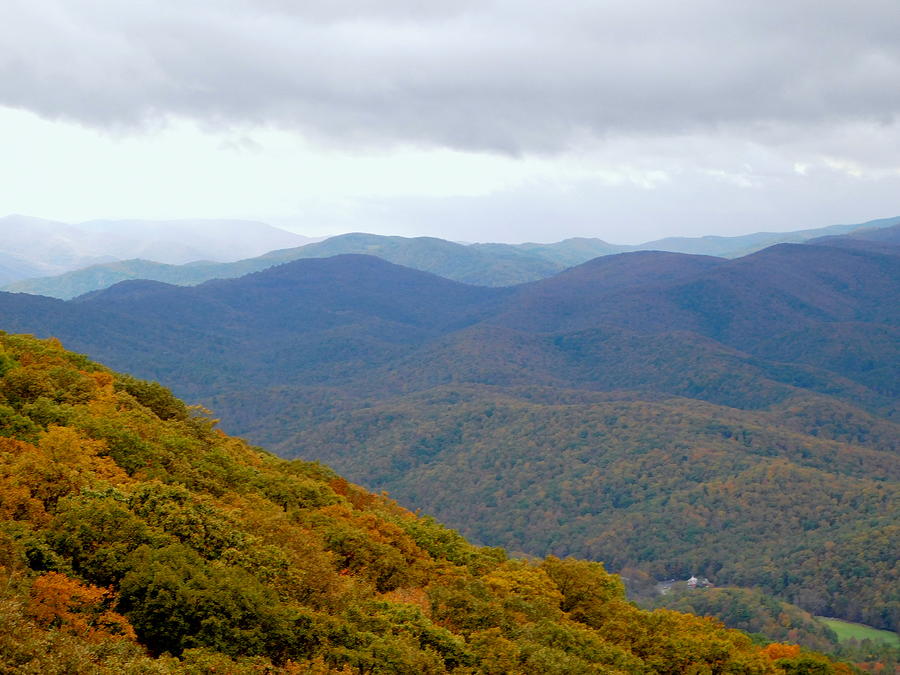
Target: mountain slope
(322,318)
(135,537)
(740,300)
(563,253)
(830,299)
(870,239)
(570,402)
(500,265)
(672,487)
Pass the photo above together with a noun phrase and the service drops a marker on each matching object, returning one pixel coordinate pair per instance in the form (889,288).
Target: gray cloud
(512,76)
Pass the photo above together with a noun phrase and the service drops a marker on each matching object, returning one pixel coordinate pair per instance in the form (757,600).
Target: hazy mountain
(136,537)
(48,247)
(481,264)
(734,247)
(12,268)
(889,235)
(95,277)
(759,303)
(562,253)
(869,239)
(183,241)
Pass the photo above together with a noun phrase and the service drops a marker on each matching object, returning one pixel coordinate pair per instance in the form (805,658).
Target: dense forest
(668,413)
(728,495)
(136,537)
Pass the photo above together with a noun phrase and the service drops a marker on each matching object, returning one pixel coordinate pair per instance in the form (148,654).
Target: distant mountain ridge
(479,264)
(871,239)
(736,247)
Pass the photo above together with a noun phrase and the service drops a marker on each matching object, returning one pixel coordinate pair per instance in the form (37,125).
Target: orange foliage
(776,651)
(60,602)
(17,501)
(339,485)
(102,379)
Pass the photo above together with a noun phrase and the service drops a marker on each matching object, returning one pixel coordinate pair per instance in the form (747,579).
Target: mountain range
(480,264)
(666,413)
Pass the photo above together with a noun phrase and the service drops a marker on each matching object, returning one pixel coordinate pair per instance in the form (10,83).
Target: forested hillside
(669,413)
(674,488)
(136,537)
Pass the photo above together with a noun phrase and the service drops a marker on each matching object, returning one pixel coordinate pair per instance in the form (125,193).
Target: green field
(846,630)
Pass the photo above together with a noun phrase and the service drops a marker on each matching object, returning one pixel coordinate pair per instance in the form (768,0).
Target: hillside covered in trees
(670,413)
(136,537)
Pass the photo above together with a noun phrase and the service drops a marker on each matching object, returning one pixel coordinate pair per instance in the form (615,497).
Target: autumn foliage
(136,537)
(60,602)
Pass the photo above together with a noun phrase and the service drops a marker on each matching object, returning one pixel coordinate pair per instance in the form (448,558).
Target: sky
(471,120)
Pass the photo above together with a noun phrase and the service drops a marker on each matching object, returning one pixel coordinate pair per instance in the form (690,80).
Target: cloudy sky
(504,120)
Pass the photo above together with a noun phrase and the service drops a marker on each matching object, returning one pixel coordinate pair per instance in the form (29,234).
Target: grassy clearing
(846,630)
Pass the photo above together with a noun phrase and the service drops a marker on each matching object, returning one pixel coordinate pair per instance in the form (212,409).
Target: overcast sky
(470,120)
